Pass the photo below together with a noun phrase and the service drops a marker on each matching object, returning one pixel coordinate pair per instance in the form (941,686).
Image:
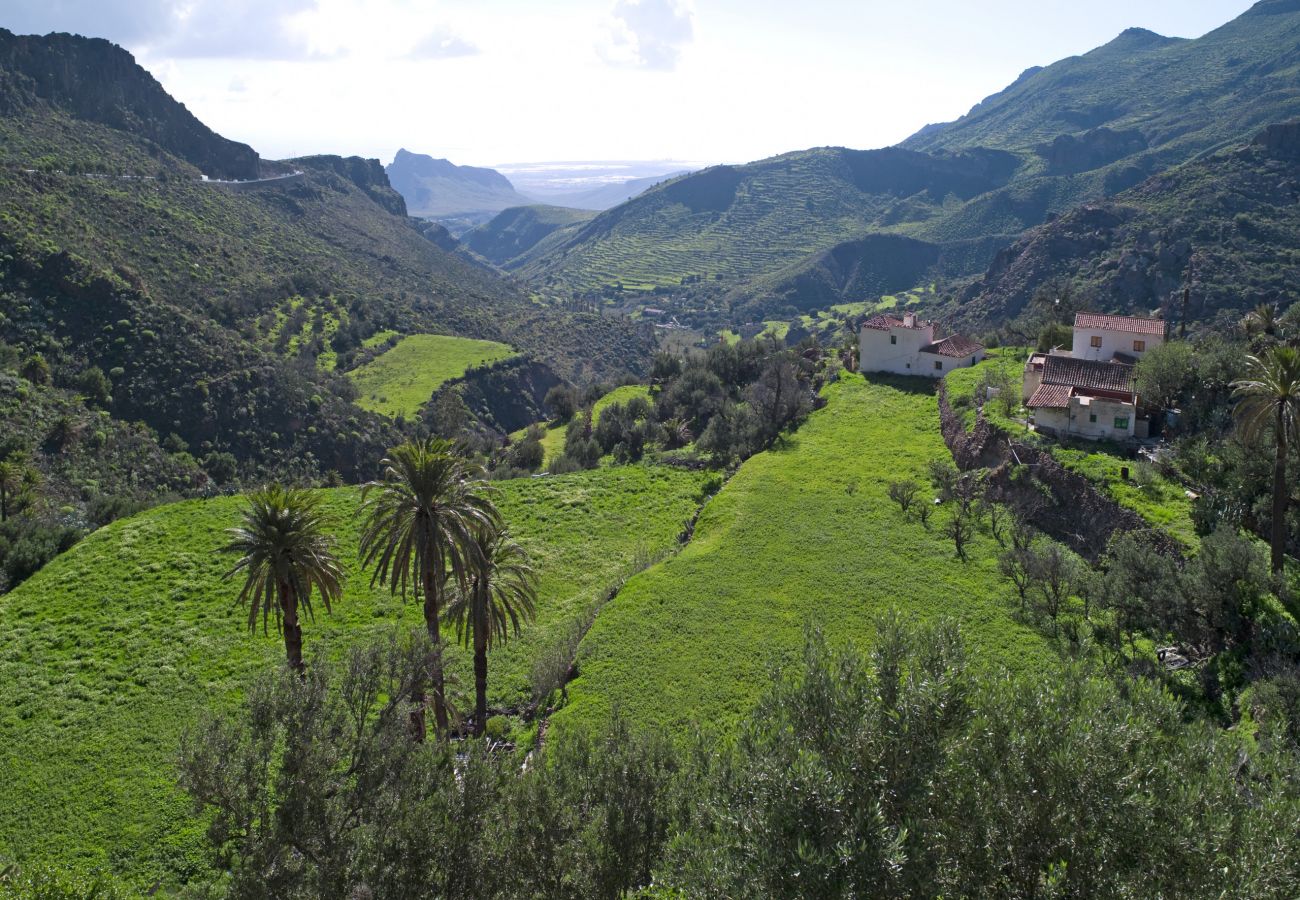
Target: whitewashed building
(1120,338)
(906,346)
(1090,391)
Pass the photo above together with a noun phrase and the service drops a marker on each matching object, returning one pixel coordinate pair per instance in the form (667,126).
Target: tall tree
(502,595)
(421,522)
(1270,396)
(286,554)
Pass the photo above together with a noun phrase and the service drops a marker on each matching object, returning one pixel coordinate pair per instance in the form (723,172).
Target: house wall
(926,363)
(877,354)
(1112,342)
(1078,420)
(1033,378)
(1054,420)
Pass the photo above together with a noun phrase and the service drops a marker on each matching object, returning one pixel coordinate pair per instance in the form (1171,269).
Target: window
(1121,423)
(938,364)
(1139,346)
(1096,340)
(893,339)
(1092,417)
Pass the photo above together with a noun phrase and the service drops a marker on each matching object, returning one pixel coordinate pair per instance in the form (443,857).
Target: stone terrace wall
(1077,514)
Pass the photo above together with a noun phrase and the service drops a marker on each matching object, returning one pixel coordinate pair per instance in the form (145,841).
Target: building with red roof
(906,345)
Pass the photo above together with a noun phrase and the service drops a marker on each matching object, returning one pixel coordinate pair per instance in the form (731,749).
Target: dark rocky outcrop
(505,396)
(366,174)
(1068,154)
(1281,140)
(95,80)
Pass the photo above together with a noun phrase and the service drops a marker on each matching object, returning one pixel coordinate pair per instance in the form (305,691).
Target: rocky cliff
(100,82)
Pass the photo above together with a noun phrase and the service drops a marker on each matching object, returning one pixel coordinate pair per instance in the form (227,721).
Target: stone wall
(1061,503)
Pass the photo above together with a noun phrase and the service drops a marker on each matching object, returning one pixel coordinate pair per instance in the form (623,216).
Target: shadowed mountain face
(513,234)
(437,188)
(1225,227)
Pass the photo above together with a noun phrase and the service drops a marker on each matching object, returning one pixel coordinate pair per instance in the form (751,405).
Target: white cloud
(441,43)
(240,29)
(647,34)
(224,29)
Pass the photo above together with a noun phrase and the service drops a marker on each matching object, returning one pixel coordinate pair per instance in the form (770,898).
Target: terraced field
(788,208)
(805,531)
(404,377)
(110,651)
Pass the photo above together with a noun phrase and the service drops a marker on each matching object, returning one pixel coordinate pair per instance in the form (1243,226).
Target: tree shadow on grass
(909,384)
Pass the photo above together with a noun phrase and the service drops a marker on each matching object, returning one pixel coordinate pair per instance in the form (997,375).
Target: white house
(1122,338)
(1089,391)
(906,346)
(1086,398)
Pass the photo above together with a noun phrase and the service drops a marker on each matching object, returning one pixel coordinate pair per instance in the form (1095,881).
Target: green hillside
(802,531)
(219,311)
(1149,99)
(404,377)
(514,235)
(117,645)
(732,222)
(800,231)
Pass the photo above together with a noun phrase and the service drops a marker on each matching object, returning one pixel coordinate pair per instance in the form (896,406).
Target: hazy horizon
(504,84)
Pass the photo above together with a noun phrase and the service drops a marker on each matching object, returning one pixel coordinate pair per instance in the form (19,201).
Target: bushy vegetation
(904,770)
(725,404)
(100,673)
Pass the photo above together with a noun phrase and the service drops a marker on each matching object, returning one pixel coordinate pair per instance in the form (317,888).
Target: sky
(488,82)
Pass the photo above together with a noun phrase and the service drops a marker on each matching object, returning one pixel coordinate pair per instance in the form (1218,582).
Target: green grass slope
(109,652)
(805,531)
(404,377)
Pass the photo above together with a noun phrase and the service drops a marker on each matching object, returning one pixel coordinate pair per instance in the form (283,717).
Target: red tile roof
(957,346)
(1051,396)
(884,323)
(1089,374)
(1134,324)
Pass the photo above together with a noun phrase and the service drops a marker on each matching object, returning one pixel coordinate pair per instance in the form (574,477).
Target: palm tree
(285,556)
(502,593)
(1263,319)
(1271,395)
(421,522)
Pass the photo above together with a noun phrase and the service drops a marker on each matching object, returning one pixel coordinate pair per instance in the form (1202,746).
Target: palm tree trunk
(1280,495)
(480,676)
(292,629)
(431,597)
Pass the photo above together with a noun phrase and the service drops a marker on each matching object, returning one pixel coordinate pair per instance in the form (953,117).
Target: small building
(906,346)
(1121,338)
(1086,398)
(1089,391)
